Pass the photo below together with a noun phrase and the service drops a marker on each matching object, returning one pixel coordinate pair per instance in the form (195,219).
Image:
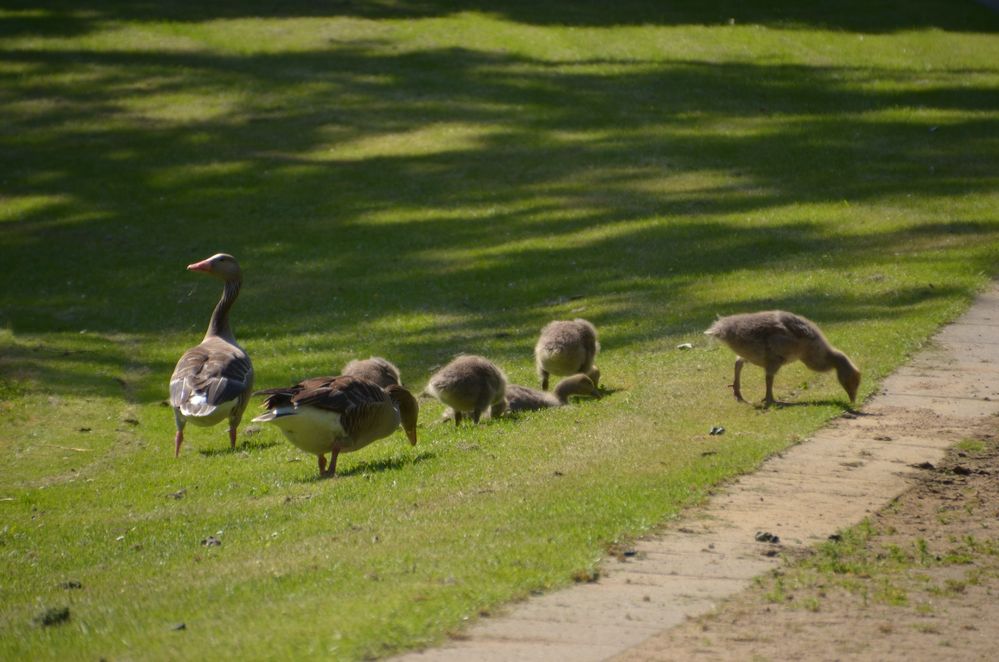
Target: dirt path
(919,581)
(849,470)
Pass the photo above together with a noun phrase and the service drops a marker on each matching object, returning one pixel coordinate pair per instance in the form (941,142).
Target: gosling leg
(736,382)
(769,399)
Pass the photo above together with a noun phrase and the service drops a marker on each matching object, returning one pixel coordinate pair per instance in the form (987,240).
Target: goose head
(408,408)
(594,375)
(848,376)
(220,265)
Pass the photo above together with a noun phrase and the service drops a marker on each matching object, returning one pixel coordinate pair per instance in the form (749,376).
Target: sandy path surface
(849,470)
(919,580)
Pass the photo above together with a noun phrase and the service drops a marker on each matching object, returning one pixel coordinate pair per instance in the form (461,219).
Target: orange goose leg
(332,468)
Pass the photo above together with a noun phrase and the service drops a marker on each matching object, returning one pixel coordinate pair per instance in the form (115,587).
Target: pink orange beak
(204,265)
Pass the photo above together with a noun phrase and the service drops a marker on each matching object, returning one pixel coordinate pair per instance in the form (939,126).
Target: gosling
(523,398)
(376,369)
(773,338)
(566,348)
(470,385)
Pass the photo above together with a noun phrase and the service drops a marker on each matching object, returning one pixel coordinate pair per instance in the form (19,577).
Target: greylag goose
(567,347)
(772,338)
(470,385)
(376,369)
(338,415)
(213,380)
(523,398)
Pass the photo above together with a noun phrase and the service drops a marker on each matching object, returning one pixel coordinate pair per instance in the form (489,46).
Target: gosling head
(578,384)
(848,376)
(594,375)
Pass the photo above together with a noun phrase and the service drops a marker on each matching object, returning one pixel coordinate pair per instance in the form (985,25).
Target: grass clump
(970,446)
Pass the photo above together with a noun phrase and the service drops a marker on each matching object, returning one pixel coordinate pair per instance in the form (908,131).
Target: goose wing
(791,336)
(209,375)
(365,410)
(798,326)
(341,394)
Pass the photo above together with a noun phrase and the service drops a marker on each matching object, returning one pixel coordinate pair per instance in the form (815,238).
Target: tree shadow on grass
(843,405)
(75,17)
(244,447)
(374,466)
(819,305)
(480,235)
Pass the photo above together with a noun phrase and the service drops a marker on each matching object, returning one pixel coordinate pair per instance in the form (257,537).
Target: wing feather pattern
(214,373)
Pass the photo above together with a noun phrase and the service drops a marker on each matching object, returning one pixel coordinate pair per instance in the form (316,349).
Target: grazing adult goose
(338,415)
(470,385)
(772,338)
(523,398)
(213,380)
(376,369)
(567,347)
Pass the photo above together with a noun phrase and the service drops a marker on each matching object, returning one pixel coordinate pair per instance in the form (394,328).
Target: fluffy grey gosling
(376,369)
(213,380)
(523,398)
(470,385)
(566,348)
(772,338)
(338,415)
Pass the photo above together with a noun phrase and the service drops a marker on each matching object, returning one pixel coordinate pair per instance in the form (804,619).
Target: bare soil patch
(918,580)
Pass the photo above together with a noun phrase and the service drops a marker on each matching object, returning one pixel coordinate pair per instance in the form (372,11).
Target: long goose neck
(819,355)
(219,324)
(844,366)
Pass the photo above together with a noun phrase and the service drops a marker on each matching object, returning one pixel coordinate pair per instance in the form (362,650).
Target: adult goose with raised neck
(213,380)
(338,415)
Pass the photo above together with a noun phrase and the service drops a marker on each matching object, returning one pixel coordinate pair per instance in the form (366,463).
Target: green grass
(970,446)
(411,180)
(862,562)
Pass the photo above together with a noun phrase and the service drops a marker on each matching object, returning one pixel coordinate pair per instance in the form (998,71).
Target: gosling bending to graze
(470,385)
(567,347)
(524,398)
(213,380)
(772,338)
(338,415)
(376,369)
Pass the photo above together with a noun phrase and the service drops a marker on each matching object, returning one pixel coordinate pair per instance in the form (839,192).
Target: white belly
(313,430)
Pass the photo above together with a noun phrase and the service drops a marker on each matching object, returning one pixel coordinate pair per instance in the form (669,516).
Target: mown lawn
(414,180)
